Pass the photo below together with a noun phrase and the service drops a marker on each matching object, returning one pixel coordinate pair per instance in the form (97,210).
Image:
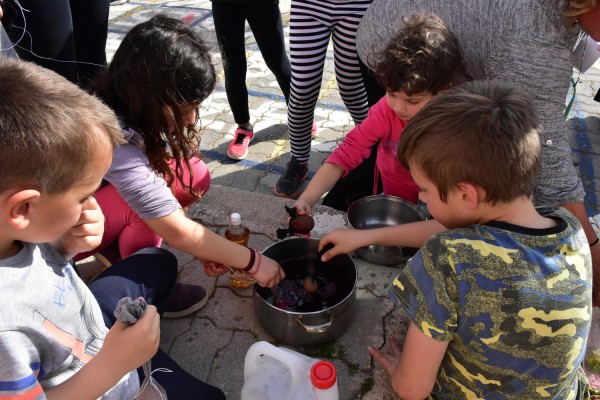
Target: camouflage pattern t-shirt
(514,304)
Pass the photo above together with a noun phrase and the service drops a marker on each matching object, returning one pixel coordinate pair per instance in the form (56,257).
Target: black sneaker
(289,183)
(186,299)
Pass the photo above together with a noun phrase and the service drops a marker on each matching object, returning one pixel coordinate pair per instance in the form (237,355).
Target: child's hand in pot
(267,272)
(344,240)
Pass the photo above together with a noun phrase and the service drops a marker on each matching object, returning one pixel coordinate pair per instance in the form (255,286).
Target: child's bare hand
(212,268)
(269,273)
(344,241)
(129,346)
(387,360)
(302,207)
(87,234)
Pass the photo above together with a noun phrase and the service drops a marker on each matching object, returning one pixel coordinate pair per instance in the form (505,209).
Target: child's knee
(201,181)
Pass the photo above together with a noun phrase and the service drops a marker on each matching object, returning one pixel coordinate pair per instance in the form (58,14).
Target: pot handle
(315,328)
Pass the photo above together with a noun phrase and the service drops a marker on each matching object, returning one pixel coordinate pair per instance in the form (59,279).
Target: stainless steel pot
(378,211)
(307,328)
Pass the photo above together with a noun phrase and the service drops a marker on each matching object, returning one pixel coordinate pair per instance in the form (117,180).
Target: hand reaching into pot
(266,271)
(342,241)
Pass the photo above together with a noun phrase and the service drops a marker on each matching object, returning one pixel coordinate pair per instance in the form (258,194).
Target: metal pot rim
(376,197)
(350,293)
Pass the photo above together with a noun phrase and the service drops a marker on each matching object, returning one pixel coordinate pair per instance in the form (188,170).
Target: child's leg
(346,61)
(306,22)
(201,181)
(179,384)
(150,273)
(90,26)
(122,223)
(265,22)
(230,30)
(47,42)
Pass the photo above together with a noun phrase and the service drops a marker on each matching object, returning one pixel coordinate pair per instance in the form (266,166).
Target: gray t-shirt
(50,325)
(138,184)
(525,43)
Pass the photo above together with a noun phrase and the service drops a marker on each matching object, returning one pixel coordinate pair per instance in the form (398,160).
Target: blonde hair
(577,7)
(50,129)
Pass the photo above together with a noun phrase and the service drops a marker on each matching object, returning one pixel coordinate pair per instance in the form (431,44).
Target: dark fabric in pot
(307,328)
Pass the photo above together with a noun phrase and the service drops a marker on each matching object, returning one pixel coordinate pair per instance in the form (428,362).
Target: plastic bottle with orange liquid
(238,233)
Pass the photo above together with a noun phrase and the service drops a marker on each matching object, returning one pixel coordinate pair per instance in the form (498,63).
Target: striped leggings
(312,22)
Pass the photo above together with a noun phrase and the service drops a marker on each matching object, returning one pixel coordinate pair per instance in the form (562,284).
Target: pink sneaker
(238,148)
(314,131)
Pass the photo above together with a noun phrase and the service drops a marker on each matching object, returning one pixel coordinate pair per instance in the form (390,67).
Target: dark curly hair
(423,56)
(161,62)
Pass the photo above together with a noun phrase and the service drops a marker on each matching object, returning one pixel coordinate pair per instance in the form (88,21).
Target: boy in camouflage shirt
(499,304)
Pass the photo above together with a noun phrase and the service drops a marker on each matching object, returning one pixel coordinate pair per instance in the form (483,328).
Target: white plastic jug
(277,373)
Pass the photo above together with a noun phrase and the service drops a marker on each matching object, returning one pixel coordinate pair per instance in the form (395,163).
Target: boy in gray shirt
(56,144)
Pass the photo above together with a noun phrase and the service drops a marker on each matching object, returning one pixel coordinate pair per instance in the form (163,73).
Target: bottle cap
(235,219)
(323,375)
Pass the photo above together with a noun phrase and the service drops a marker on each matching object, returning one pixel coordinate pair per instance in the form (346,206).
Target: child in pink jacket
(421,60)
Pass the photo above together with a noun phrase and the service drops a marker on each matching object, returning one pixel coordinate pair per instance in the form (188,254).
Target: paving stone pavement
(212,343)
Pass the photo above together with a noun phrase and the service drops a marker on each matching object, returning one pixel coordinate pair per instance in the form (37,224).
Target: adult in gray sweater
(527,43)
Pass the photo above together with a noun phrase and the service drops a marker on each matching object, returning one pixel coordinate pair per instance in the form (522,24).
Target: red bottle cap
(323,375)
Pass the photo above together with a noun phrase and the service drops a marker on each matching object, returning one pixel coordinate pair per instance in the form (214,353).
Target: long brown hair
(161,62)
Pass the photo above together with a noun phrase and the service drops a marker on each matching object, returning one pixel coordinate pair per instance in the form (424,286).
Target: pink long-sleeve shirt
(383,125)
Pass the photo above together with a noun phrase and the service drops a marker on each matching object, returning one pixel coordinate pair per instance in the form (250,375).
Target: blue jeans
(150,273)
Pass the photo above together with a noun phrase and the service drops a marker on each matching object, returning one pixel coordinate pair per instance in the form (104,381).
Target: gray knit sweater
(526,43)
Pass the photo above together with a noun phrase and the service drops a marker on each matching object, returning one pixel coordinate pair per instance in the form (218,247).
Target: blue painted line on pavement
(586,167)
(223,159)
(279,97)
